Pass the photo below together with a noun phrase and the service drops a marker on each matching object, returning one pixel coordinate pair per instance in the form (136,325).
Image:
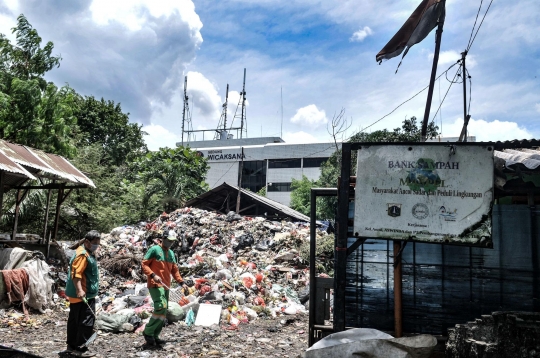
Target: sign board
(429,193)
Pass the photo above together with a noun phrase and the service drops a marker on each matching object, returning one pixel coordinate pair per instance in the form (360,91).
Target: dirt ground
(282,337)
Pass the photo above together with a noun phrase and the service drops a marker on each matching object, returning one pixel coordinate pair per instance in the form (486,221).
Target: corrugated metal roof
(275,205)
(10,166)
(43,164)
(216,198)
(530,158)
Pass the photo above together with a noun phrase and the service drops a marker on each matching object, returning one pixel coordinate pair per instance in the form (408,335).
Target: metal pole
(463,135)
(534,253)
(16,219)
(225,112)
(2,174)
(46,215)
(432,80)
(340,266)
(312,273)
(184,110)
(398,324)
(240,183)
(57,214)
(281,135)
(243,107)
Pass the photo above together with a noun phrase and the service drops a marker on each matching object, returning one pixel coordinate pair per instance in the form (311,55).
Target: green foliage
(176,175)
(262,192)
(33,111)
(331,169)
(324,254)
(301,195)
(104,122)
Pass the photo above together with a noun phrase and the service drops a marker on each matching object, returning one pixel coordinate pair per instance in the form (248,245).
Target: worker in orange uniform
(158,265)
(82,285)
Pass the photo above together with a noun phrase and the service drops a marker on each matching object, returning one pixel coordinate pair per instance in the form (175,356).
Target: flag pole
(432,80)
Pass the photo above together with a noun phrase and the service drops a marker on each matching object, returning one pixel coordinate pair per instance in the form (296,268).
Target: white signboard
(428,193)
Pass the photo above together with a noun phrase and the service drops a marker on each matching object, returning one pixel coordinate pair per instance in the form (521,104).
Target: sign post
(427,193)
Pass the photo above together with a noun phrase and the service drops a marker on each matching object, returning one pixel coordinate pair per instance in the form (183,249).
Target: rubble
(247,269)
(251,267)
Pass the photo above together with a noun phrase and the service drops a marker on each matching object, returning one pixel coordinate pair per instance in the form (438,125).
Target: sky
(311,58)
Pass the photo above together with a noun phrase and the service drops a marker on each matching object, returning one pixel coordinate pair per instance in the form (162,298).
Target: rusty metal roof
(10,166)
(215,200)
(37,163)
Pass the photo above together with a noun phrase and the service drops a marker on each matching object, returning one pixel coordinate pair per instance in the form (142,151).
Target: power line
(217,181)
(470,91)
(479,26)
(402,103)
(448,90)
(472,30)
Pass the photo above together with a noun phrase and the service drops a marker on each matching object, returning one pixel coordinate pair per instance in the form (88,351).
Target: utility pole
(281,135)
(466,117)
(243,107)
(438,37)
(184,110)
(240,183)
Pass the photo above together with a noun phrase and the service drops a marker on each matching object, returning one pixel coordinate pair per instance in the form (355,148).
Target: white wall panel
(281,197)
(222,172)
(312,173)
(283,175)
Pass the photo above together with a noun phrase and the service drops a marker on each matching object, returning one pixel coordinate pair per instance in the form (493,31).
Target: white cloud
(310,116)
(133,13)
(299,137)
(206,99)
(361,34)
(159,137)
(537,106)
(235,105)
(485,131)
(451,56)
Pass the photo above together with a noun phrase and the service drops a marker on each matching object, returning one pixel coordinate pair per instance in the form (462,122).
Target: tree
(34,112)
(301,195)
(174,175)
(104,122)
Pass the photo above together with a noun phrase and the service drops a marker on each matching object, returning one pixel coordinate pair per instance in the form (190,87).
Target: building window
(254,175)
(279,187)
(284,163)
(314,162)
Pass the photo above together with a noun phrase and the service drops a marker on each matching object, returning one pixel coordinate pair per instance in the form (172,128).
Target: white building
(266,162)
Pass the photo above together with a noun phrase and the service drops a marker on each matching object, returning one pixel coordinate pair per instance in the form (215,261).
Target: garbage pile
(238,269)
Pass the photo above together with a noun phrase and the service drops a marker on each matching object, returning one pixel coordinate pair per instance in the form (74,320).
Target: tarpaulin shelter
(20,164)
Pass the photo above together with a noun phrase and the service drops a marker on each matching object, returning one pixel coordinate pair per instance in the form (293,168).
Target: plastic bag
(111,322)
(190,318)
(175,313)
(39,293)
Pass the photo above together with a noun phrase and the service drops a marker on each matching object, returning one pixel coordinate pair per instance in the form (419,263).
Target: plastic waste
(190,318)
(175,312)
(111,322)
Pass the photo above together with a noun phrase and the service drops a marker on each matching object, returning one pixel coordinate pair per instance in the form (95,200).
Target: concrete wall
(280,196)
(222,172)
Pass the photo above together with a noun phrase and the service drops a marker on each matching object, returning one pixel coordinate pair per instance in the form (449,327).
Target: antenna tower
(221,131)
(186,116)
(242,114)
